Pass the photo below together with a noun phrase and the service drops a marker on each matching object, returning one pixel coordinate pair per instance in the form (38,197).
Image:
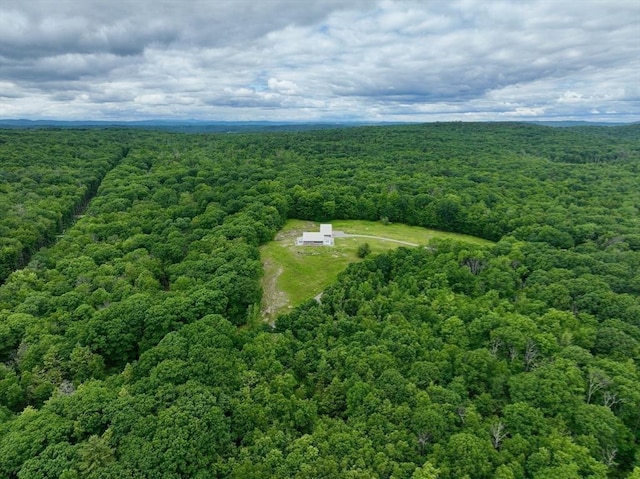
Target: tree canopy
(130,339)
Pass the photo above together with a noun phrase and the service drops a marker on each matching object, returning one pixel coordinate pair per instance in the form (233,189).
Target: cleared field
(295,274)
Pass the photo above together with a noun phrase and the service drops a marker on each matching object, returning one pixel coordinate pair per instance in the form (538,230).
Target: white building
(322,238)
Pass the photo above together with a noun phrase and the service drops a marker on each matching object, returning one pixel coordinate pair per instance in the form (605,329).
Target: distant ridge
(578,123)
(198,126)
(187,125)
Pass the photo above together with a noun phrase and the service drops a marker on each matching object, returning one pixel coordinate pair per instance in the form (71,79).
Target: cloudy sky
(404,60)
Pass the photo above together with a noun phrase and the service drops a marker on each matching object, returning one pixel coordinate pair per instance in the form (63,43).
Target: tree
(426,471)
(95,454)
(467,455)
(364,250)
(498,433)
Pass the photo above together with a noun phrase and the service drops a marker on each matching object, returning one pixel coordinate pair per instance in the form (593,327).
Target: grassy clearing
(294,274)
(397,231)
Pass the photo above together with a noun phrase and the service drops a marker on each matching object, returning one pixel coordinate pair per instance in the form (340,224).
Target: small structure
(322,238)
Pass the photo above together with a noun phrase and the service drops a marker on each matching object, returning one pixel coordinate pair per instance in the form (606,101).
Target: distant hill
(192,126)
(203,126)
(577,123)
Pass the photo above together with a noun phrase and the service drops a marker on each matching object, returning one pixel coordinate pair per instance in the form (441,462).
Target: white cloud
(286,59)
(284,87)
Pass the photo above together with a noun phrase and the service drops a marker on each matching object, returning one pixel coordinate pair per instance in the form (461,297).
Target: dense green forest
(130,338)
(44,181)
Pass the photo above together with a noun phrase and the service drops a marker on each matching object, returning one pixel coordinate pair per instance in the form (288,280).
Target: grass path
(295,274)
(405,243)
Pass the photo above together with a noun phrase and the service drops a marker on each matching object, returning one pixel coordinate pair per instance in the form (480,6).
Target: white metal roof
(326,229)
(312,236)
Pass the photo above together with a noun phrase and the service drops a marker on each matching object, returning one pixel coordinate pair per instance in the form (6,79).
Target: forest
(131,344)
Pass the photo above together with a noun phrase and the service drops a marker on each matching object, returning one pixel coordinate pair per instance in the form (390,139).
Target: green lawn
(295,274)
(411,234)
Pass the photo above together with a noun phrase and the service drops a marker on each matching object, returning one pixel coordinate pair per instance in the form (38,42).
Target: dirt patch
(273,300)
(294,232)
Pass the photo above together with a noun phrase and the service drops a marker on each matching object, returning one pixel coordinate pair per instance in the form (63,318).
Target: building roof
(326,229)
(314,236)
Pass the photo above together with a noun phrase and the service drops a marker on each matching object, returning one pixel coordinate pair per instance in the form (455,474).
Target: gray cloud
(289,59)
